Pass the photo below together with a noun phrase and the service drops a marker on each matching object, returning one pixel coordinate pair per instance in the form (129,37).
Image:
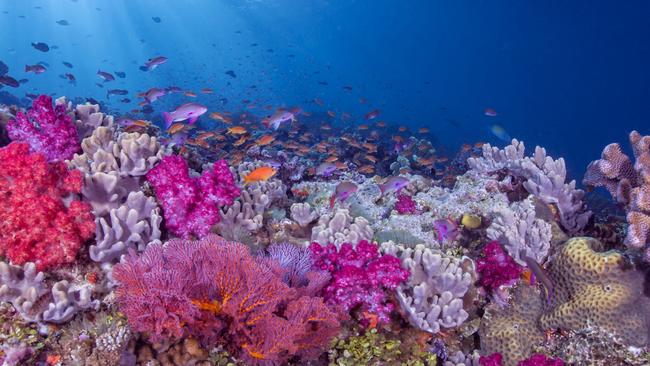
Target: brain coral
(597,290)
(513,331)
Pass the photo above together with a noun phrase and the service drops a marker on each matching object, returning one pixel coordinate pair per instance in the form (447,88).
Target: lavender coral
(629,184)
(191,205)
(361,277)
(48,130)
(217,292)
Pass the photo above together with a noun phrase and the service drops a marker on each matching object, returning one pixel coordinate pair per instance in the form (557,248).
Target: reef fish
(67,64)
(500,132)
(260,174)
(325,169)
(393,184)
(120,74)
(187,111)
(153,94)
(342,192)
(446,230)
(36,69)
(107,76)
(9,81)
(490,112)
(62,22)
(41,46)
(372,114)
(278,118)
(154,62)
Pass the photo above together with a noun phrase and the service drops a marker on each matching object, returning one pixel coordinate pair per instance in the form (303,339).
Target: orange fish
(237,130)
(240,141)
(371,158)
(331,159)
(261,174)
(220,117)
(381,124)
(206,91)
(190,94)
(362,127)
(205,135)
(265,140)
(402,129)
(423,130)
(367,169)
(331,114)
(370,147)
(325,127)
(175,128)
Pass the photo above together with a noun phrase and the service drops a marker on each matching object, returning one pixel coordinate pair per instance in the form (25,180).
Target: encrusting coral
(600,290)
(513,332)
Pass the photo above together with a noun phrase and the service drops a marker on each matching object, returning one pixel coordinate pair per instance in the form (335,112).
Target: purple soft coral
(48,130)
(360,277)
(405,205)
(496,268)
(191,205)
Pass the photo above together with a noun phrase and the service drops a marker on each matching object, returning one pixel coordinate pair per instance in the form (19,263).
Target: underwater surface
(276,182)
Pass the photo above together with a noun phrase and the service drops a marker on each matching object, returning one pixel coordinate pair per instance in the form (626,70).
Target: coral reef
(361,277)
(599,290)
(432,298)
(212,288)
(40,221)
(513,332)
(339,227)
(521,232)
(629,184)
(47,130)
(191,205)
(496,268)
(544,178)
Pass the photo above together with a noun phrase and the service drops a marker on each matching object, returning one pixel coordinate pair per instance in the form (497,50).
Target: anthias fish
(187,112)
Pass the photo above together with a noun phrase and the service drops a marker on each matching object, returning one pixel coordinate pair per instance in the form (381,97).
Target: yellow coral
(513,331)
(597,290)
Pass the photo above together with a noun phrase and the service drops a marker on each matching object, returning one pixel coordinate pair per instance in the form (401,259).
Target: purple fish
(36,69)
(325,169)
(107,76)
(9,81)
(188,111)
(154,62)
(393,184)
(446,229)
(278,118)
(342,192)
(153,94)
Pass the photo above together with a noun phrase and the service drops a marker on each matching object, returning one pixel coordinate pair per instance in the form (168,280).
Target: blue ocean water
(571,76)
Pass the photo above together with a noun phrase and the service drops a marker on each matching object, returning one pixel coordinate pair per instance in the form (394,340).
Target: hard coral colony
(149,250)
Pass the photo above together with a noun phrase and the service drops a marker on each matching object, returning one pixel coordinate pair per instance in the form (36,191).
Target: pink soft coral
(217,292)
(494,359)
(360,277)
(541,360)
(40,221)
(191,205)
(47,130)
(496,268)
(405,205)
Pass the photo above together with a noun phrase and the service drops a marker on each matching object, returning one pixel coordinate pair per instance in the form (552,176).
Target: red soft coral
(40,221)
(217,292)
(496,268)
(191,205)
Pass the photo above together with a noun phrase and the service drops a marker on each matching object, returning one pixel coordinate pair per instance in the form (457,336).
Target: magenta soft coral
(48,130)
(191,205)
(217,292)
(537,359)
(405,205)
(40,221)
(496,268)
(361,277)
